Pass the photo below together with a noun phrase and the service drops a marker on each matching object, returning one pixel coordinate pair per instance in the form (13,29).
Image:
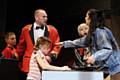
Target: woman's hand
(59,44)
(90,59)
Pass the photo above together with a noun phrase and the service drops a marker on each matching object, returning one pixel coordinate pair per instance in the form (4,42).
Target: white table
(72,75)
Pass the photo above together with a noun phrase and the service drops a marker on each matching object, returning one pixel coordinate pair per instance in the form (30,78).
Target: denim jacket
(104,48)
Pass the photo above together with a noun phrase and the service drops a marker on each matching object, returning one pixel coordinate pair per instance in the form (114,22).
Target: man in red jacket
(29,35)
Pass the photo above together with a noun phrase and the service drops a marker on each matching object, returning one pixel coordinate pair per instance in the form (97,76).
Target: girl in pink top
(39,61)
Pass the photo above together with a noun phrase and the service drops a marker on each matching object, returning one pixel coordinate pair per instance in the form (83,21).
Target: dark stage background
(65,15)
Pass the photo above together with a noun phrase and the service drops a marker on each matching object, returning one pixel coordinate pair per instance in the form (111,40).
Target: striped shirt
(34,69)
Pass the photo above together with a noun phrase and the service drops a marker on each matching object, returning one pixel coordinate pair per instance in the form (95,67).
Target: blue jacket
(104,48)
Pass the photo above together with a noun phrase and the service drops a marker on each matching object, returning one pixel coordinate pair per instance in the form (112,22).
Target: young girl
(38,60)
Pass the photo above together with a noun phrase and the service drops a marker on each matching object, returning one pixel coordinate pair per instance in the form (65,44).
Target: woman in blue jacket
(101,43)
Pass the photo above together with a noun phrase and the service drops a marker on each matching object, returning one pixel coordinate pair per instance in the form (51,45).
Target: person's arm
(55,49)
(45,65)
(5,52)
(77,43)
(54,36)
(21,45)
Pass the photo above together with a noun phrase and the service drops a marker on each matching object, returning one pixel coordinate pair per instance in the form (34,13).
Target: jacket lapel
(46,33)
(32,35)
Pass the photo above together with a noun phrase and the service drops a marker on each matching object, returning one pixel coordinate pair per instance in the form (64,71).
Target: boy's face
(83,30)
(11,40)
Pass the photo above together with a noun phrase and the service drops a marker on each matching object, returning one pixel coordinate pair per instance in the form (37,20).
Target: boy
(10,52)
(82,53)
(83,29)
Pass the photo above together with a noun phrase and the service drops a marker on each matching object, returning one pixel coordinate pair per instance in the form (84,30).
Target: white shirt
(37,32)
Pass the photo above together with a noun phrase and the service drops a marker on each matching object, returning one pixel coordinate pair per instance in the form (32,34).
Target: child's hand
(86,55)
(65,68)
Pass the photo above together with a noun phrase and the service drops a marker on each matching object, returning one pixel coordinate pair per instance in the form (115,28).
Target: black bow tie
(39,27)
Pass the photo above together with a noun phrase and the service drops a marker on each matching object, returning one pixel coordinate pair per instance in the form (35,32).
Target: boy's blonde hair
(80,26)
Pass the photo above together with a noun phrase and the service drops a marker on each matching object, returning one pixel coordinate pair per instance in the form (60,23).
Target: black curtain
(3,14)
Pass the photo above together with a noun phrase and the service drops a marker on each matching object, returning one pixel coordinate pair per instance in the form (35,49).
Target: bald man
(29,35)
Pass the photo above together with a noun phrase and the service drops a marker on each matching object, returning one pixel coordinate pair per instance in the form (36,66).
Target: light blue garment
(81,42)
(113,61)
(104,48)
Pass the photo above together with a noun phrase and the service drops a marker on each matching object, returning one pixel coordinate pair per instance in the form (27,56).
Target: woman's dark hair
(97,18)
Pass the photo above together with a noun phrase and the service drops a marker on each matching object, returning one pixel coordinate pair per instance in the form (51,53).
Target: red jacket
(8,52)
(26,42)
